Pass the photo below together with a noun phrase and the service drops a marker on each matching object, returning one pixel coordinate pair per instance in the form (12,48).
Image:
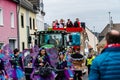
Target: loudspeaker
(83,25)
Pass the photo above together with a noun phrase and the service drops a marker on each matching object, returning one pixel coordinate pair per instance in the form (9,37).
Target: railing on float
(71,29)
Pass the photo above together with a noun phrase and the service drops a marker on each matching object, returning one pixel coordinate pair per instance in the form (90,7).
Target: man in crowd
(77,23)
(107,65)
(69,23)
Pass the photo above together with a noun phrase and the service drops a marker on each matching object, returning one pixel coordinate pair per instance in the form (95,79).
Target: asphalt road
(85,77)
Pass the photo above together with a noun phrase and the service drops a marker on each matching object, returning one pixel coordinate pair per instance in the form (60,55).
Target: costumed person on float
(42,66)
(17,65)
(62,68)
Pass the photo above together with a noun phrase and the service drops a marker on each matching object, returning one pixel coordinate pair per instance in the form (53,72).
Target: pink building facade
(8,23)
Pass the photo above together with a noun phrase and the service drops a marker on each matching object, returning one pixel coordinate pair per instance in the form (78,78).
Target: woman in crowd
(17,65)
(42,60)
(57,24)
(62,24)
(53,24)
(63,72)
(61,66)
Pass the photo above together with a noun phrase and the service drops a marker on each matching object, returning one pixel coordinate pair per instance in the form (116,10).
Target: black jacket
(1,65)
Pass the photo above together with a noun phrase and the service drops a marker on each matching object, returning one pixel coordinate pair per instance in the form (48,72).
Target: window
(1,16)
(12,43)
(1,45)
(54,39)
(12,19)
(34,24)
(22,21)
(23,45)
(30,23)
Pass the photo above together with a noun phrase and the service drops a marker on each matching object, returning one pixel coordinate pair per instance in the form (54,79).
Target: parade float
(55,40)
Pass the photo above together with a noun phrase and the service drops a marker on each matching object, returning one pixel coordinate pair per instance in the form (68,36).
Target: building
(40,16)
(8,23)
(92,39)
(102,35)
(27,24)
(102,41)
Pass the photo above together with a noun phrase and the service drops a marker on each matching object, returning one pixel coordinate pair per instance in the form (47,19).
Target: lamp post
(110,21)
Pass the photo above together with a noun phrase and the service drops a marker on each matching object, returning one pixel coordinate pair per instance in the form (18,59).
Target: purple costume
(61,65)
(45,60)
(6,52)
(17,67)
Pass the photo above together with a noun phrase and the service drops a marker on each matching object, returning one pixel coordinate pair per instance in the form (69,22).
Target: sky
(95,13)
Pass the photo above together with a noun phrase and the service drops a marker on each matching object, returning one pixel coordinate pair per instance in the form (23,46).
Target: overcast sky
(93,12)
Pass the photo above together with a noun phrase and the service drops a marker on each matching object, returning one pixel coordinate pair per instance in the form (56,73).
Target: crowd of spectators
(68,24)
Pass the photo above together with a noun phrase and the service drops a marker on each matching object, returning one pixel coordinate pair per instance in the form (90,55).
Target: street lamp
(110,21)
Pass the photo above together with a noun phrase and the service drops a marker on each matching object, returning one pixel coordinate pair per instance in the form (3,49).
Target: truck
(57,40)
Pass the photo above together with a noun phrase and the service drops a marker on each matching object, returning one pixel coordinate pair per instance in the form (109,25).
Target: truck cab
(50,39)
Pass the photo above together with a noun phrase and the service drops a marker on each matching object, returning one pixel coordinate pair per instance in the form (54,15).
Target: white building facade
(40,22)
(40,17)
(92,39)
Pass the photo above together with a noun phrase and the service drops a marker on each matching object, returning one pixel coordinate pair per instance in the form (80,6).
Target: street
(85,77)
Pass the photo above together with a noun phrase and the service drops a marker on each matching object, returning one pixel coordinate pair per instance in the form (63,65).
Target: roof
(103,41)
(115,26)
(106,29)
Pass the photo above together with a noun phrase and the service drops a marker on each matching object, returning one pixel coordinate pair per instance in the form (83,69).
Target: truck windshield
(51,39)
